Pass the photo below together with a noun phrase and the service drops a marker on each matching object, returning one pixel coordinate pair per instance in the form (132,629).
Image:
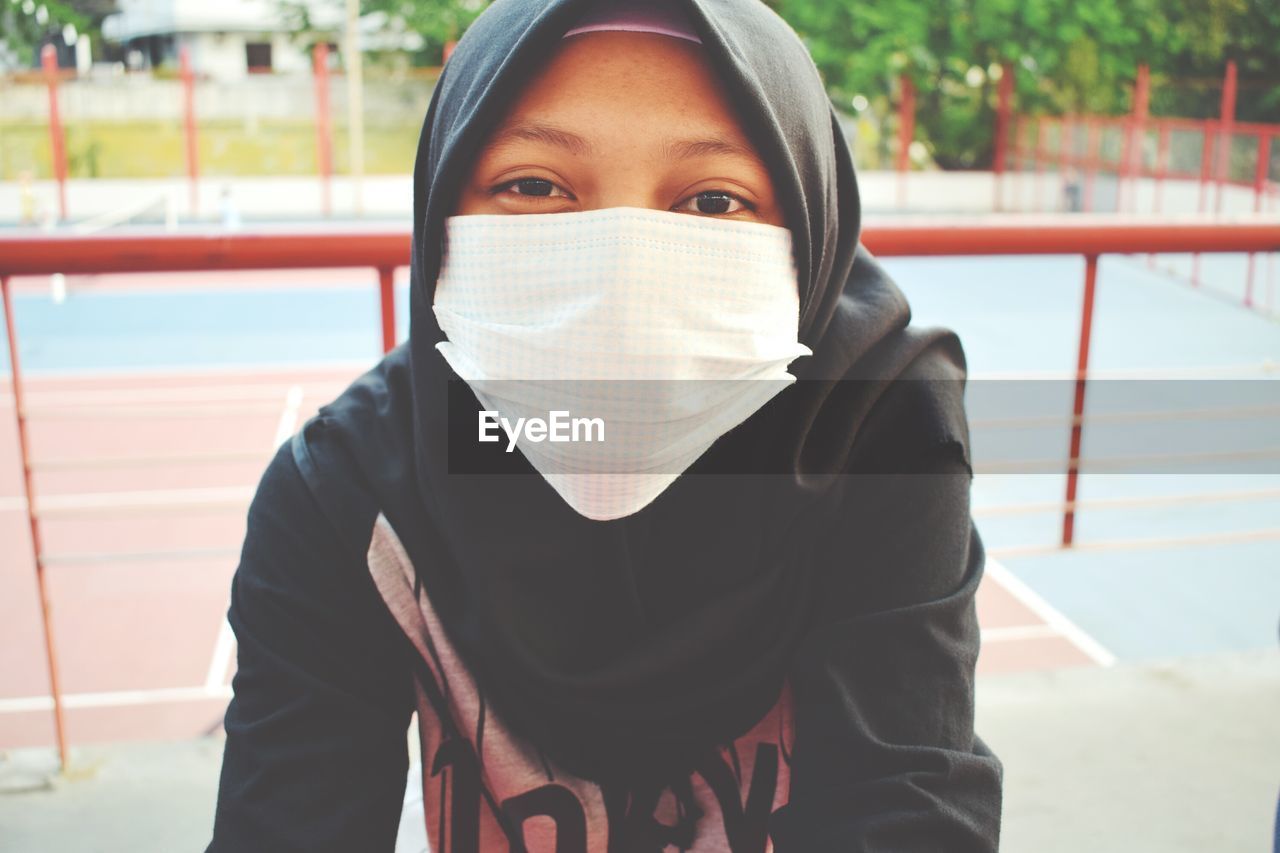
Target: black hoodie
(625,651)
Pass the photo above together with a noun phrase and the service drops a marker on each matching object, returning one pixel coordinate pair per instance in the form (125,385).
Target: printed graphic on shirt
(483,789)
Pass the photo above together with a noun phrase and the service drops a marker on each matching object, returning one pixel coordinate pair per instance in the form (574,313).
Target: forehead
(636,83)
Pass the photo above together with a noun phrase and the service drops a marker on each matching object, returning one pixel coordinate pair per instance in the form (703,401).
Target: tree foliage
(24,28)
(1069,56)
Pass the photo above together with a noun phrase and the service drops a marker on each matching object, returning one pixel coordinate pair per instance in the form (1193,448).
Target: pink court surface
(140,555)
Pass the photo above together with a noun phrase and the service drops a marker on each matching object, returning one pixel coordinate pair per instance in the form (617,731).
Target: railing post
(189,122)
(1077,407)
(906,134)
(387,300)
(24,449)
(57,142)
(324,137)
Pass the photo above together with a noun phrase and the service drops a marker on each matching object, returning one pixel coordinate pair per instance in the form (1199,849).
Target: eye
(531,187)
(713,203)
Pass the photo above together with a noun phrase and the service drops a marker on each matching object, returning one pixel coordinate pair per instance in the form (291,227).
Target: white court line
(279,371)
(1050,614)
(90,501)
(1265,367)
(224,648)
(1007,633)
(190,394)
(289,417)
(114,699)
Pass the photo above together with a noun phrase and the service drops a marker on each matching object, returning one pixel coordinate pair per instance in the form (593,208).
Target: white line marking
(1018,632)
(224,648)
(269,370)
(114,699)
(190,394)
(1231,537)
(289,417)
(146,499)
(1265,367)
(1050,614)
(13,504)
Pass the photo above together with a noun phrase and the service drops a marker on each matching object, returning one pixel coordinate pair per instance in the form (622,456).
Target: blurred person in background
(757,629)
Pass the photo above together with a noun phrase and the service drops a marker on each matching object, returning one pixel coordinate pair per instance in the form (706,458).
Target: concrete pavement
(1175,756)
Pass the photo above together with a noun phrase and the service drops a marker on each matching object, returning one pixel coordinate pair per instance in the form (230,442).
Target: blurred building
(230,39)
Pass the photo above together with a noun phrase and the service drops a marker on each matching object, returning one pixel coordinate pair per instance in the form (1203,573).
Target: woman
(745,619)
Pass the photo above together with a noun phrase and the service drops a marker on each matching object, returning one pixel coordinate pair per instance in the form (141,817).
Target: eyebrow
(672,149)
(548,134)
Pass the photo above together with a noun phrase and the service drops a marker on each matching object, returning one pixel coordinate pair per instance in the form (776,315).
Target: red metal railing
(42,253)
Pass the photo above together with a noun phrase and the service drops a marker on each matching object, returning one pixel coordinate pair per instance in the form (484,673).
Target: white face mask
(561,312)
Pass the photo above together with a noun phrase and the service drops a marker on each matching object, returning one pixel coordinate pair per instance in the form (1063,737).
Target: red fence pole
(42,589)
(1226,119)
(1093,139)
(1004,108)
(387,301)
(1037,167)
(1135,136)
(906,134)
(324,134)
(1206,172)
(57,143)
(1077,409)
(1259,187)
(1162,169)
(1066,136)
(1017,157)
(189,118)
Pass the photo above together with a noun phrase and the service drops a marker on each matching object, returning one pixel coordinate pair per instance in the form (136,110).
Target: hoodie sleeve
(316,752)
(885,755)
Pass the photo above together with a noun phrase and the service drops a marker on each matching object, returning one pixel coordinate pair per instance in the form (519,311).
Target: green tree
(437,21)
(24,27)
(1069,56)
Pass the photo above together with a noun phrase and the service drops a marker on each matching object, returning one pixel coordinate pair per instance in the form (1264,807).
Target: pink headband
(637,17)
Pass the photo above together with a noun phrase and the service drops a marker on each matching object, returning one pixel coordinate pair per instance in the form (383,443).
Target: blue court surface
(1151,579)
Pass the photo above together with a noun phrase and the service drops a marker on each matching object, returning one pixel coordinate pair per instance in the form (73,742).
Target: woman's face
(621,119)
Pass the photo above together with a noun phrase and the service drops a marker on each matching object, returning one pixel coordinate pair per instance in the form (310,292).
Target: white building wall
(217,55)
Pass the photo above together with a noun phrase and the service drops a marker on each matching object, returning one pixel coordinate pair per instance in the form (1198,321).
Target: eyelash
(507,185)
